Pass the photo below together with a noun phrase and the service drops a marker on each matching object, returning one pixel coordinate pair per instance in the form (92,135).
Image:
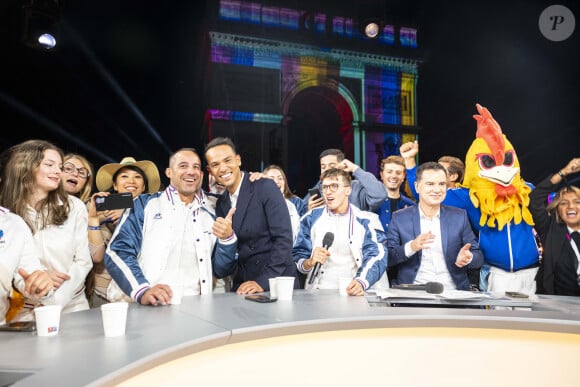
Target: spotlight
(370,27)
(40,22)
(47,41)
(372,30)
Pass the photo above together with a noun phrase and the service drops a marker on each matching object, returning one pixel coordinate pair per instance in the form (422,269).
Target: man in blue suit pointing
(432,242)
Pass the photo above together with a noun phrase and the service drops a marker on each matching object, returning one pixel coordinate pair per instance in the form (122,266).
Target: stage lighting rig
(40,23)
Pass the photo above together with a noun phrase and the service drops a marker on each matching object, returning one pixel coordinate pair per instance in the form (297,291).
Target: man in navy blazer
(261,220)
(432,242)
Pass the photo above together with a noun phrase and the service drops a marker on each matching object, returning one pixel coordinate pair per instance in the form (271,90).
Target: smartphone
(314,191)
(20,326)
(114,201)
(516,295)
(260,298)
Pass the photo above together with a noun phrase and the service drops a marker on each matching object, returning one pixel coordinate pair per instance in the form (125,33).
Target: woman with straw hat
(131,176)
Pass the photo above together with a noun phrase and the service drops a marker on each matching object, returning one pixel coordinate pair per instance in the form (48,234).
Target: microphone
(429,287)
(326,243)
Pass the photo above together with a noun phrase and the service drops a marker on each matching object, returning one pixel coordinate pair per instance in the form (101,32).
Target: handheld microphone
(326,243)
(429,287)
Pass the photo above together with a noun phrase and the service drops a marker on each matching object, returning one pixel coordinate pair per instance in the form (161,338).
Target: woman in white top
(30,186)
(276,173)
(19,263)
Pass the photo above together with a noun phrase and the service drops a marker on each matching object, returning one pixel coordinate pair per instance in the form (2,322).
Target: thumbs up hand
(222,227)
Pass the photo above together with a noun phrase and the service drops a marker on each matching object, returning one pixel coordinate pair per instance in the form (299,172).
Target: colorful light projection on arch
(388,93)
(389,99)
(389,96)
(380,145)
(230,115)
(317,22)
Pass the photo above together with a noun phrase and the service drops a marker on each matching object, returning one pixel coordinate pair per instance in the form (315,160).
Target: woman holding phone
(128,176)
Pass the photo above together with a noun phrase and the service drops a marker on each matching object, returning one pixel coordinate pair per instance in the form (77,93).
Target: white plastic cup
(177,291)
(273,287)
(343,283)
(285,288)
(47,320)
(114,318)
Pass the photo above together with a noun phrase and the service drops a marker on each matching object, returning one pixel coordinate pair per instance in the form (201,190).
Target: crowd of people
(57,246)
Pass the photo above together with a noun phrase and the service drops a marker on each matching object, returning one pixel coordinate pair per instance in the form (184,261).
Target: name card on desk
(423,295)
(449,298)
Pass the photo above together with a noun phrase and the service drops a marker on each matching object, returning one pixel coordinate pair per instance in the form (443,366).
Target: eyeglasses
(71,169)
(330,187)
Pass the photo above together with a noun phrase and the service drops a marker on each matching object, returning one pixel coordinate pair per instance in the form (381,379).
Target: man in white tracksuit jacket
(170,238)
(356,251)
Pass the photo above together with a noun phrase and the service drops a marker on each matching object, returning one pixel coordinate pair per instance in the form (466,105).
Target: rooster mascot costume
(496,199)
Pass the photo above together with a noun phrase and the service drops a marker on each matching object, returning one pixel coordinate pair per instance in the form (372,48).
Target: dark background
(127,77)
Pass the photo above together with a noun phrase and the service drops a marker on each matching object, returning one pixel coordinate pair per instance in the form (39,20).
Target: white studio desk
(226,340)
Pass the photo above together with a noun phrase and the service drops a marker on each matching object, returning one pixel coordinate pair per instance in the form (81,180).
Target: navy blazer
(262,225)
(455,233)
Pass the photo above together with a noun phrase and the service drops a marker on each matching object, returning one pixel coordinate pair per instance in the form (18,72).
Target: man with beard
(170,238)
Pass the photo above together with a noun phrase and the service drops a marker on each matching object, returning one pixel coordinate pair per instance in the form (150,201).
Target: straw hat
(104,179)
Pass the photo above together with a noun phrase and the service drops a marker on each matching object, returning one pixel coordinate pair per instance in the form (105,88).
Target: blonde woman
(558,226)
(77,176)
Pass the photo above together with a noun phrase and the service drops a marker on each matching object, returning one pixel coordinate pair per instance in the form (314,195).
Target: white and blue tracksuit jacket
(366,237)
(139,248)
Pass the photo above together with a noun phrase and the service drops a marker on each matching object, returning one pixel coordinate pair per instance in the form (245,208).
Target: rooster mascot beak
(492,175)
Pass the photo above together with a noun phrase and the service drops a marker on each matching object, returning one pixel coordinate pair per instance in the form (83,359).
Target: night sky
(126,78)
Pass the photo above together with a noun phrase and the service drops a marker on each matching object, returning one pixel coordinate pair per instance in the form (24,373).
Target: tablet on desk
(260,298)
(19,326)
(516,295)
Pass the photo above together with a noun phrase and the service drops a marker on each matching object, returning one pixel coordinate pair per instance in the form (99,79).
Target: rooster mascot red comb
(492,175)
(496,199)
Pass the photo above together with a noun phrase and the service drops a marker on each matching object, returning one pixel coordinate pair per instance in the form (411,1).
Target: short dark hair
(429,165)
(220,141)
(335,172)
(184,149)
(332,152)
(132,168)
(456,166)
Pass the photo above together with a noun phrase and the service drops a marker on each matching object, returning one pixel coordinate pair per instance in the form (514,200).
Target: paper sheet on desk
(462,295)
(421,294)
(403,293)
